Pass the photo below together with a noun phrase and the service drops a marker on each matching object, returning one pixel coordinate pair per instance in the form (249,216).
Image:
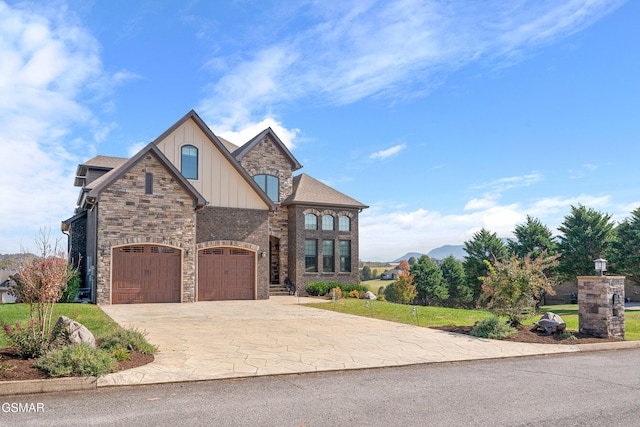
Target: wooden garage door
(145,273)
(225,274)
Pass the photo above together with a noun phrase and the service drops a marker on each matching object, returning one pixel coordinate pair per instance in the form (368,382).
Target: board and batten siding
(218,181)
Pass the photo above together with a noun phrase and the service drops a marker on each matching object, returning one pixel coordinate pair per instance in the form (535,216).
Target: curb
(14,388)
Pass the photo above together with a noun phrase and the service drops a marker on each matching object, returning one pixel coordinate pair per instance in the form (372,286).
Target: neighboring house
(390,275)
(5,283)
(192,217)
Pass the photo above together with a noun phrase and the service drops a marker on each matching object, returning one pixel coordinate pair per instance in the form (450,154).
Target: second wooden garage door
(226,274)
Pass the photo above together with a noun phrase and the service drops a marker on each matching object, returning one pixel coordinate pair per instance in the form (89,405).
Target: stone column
(601,306)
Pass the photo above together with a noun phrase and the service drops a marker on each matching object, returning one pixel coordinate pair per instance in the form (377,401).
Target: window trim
(262,179)
(328,259)
(148,183)
(345,260)
(308,225)
(333,221)
(311,260)
(348,223)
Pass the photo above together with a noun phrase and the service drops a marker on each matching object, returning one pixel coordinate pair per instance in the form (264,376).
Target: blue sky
(443,117)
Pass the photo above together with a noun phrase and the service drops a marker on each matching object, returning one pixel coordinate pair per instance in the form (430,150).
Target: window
(189,162)
(344,223)
(310,255)
(327,222)
(310,222)
(327,256)
(148,183)
(270,184)
(345,255)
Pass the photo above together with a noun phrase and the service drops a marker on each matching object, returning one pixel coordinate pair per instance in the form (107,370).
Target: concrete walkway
(231,339)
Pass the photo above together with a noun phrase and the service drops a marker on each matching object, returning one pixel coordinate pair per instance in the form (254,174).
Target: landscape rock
(549,323)
(370,295)
(78,333)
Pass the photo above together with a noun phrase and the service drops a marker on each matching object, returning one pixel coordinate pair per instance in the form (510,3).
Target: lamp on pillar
(601,266)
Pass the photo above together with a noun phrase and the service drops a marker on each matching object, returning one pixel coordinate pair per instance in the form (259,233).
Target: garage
(226,274)
(145,274)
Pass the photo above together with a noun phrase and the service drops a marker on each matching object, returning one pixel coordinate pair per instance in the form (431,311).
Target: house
(192,217)
(5,283)
(390,274)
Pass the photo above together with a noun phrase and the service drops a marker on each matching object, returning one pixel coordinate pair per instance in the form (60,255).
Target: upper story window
(148,183)
(327,222)
(344,223)
(189,161)
(270,184)
(310,222)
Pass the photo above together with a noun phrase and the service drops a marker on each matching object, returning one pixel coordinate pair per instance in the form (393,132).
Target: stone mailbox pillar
(601,306)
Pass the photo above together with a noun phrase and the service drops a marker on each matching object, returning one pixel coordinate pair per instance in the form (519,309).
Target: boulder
(370,295)
(77,332)
(549,323)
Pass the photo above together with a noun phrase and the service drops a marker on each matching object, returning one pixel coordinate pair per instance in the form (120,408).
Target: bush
(127,340)
(337,291)
(353,294)
(318,288)
(70,292)
(77,360)
(381,290)
(30,343)
(493,328)
(348,288)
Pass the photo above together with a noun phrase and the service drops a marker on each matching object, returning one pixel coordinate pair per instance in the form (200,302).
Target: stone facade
(266,158)
(127,215)
(601,306)
(298,235)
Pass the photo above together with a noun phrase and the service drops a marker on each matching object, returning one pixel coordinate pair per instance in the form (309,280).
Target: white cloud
(384,49)
(388,231)
(383,154)
(501,184)
(47,64)
(249,130)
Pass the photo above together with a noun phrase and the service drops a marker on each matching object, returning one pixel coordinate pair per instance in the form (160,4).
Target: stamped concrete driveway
(228,339)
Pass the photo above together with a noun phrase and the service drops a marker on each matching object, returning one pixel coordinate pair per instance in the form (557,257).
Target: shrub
(77,360)
(381,290)
(337,291)
(353,294)
(30,343)
(70,292)
(317,288)
(348,288)
(493,328)
(128,340)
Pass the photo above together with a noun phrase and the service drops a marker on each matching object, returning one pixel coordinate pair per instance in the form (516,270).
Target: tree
(586,235)
(412,260)
(365,273)
(430,285)
(625,249)
(403,290)
(460,293)
(484,246)
(513,287)
(403,265)
(532,237)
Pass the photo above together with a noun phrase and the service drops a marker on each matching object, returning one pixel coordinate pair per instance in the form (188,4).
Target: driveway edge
(15,388)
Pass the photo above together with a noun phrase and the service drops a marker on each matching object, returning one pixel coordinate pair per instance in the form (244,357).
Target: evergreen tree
(532,237)
(365,274)
(625,250)
(586,235)
(430,285)
(460,293)
(484,246)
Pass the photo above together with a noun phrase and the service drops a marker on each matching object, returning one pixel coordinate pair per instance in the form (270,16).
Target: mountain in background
(408,255)
(444,251)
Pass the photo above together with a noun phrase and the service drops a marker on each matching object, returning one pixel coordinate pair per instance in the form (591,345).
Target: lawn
(373,285)
(439,316)
(89,315)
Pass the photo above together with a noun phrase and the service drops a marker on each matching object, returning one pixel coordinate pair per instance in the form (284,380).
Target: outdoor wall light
(601,266)
(263,254)
(188,251)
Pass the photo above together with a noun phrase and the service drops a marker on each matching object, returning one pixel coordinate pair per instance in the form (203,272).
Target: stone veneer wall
(298,234)
(236,227)
(127,215)
(266,158)
(597,313)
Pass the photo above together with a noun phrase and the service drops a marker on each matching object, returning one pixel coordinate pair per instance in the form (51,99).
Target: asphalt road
(589,389)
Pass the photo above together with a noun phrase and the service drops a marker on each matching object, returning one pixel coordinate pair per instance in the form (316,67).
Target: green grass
(89,315)
(439,316)
(373,285)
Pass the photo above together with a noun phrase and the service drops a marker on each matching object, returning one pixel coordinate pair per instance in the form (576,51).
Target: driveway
(230,339)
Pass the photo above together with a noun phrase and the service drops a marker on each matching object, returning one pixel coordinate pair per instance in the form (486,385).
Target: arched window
(270,184)
(310,222)
(344,223)
(189,162)
(327,222)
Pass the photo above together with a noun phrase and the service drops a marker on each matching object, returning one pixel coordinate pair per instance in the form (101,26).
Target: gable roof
(310,191)
(230,146)
(192,115)
(96,187)
(246,148)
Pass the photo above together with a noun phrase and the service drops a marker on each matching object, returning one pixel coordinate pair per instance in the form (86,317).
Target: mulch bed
(13,368)
(525,334)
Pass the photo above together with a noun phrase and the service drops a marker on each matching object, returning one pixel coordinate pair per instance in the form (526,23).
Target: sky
(442,116)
